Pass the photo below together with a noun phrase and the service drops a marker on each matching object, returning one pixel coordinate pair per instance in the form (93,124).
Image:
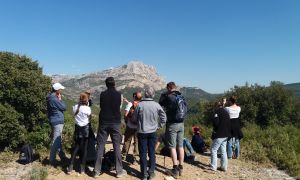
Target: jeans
(186,144)
(147,144)
(233,146)
(219,143)
(115,133)
(56,143)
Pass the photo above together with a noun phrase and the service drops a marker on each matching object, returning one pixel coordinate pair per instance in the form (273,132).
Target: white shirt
(234,112)
(82,118)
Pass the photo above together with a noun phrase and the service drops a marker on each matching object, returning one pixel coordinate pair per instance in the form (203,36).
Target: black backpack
(26,154)
(181,110)
(109,161)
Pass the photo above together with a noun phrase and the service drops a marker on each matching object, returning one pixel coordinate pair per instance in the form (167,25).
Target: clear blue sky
(212,44)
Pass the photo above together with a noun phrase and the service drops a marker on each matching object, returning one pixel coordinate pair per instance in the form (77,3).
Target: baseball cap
(57,86)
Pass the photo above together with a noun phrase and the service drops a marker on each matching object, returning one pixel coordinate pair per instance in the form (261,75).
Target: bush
(11,132)
(23,89)
(40,173)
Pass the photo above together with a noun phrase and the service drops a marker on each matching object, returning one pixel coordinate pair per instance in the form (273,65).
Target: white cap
(57,86)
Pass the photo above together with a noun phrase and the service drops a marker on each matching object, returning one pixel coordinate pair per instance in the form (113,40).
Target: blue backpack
(182,109)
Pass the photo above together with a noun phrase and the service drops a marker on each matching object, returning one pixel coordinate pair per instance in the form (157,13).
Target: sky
(211,44)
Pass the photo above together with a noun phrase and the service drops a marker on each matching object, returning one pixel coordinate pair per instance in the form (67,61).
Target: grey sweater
(149,116)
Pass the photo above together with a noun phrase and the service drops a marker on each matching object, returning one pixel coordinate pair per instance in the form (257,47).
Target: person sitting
(189,153)
(197,141)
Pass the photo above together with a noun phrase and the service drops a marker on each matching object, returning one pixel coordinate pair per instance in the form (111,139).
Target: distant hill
(295,88)
(129,78)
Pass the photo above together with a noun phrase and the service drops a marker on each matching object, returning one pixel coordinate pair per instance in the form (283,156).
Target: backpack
(181,110)
(26,154)
(109,161)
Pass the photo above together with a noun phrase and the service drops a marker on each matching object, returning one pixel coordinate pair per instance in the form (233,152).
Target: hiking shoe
(122,173)
(180,170)
(173,172)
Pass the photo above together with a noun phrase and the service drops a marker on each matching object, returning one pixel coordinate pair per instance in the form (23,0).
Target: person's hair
(83,101)
(134,95)
(233,99)
(149,92)
(110,82)
(171,85)
(218,104)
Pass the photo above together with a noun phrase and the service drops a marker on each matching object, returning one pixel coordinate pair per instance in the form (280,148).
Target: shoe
(180,170)
(144,178)
(122,174)
(222,169)
(82,169)
(152,176)
(96,174)
(70,169)
(173,172)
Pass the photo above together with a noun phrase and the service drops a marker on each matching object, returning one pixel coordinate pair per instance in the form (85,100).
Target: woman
(82,115)
(221,132)
(233,145)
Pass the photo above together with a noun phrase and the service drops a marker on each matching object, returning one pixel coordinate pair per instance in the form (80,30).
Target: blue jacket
(55,109)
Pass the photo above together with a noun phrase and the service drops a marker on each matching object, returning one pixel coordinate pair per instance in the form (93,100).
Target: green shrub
(39,173)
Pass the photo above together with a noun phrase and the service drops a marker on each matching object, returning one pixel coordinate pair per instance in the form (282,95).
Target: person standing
(131,126)
(233,145)
(110,124)
(55,110)
(176,108)
(221,132)
(147,115)
(82,114)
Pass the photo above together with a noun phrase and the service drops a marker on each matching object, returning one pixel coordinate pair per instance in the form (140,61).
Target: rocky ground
(11,170)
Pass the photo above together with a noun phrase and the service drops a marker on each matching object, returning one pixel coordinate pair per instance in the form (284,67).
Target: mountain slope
(130,77)
(295,88)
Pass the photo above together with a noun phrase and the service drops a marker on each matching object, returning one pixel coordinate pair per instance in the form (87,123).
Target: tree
(23,89)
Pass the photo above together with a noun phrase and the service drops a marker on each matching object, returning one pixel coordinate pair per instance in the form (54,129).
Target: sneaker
(180,170)
(69,169)
(152,176)
(173,172)
(96,174)
(144,178)
(121,174)
(82,169)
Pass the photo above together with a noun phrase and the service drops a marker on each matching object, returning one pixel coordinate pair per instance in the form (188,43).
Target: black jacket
(168,101)
(221,124)
(110,105)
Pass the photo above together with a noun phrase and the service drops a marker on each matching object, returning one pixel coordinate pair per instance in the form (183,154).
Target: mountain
(295,88)
(130,77)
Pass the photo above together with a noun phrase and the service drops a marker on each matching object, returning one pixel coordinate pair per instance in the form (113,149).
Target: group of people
(143,117)
(226,133)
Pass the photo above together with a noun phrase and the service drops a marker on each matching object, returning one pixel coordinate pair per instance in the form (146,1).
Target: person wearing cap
(149,116)
(55,109)
(197,141)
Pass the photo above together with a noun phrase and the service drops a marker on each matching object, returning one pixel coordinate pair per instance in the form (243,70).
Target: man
(110,124)
(174,128)
(131,127)
(165,151)
(146,114)
(221,132)
(56,108)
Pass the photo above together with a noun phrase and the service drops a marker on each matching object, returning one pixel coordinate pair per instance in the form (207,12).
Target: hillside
(129,78)
(295,88)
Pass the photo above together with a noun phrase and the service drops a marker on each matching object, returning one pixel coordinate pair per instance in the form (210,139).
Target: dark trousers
(115,133)
(129,135)
(147,145)
(81,143)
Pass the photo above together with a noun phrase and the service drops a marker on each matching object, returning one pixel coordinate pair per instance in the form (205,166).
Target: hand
(59,97)
(125,100)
